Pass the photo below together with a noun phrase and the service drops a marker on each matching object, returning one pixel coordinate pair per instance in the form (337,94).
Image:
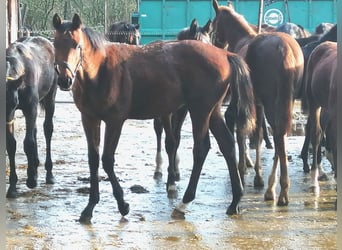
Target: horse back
(164,76)
(322,74)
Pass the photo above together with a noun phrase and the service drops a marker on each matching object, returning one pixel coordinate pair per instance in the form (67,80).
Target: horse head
(68,49)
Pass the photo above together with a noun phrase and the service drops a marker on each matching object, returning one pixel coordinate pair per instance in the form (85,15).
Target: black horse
(124,32)
(30,79)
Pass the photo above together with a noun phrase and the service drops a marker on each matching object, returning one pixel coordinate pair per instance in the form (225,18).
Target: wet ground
(46,217)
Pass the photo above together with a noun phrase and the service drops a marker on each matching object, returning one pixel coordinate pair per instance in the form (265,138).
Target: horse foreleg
(200,151)
(92,132)
(112,135)
(158,129)
(11,146)
(48,130)
(177,121)
(30,146)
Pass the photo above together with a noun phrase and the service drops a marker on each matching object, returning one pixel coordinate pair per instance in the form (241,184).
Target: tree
(39,13)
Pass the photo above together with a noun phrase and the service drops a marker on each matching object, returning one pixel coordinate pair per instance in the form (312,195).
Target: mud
(46,217)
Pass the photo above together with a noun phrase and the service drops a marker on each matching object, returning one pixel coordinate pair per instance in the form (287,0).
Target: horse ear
(193,26)
(137,26)
(56,21)
(215,6)
(76,21)
(207,27)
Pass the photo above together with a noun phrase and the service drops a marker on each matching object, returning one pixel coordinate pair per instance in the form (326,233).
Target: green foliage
(38,14)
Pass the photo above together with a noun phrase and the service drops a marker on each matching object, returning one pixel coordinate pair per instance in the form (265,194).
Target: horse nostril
(64,83)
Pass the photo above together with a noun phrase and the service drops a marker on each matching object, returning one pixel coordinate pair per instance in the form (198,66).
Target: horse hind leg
(225,140)
(11,149)
(200,151)
(158,129)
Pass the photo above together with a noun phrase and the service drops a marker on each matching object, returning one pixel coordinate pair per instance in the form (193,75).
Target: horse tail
(242,95)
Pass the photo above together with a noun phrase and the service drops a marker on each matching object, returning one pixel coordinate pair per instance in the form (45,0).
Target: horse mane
(236,18)
(96,39)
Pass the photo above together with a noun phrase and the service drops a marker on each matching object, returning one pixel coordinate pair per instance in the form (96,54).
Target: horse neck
(238,37)
(91,59)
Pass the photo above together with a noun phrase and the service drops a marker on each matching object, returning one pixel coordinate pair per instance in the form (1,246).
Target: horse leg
(316,136)
(158,129)
(225,140)
(30,145)
(49,106)
(244,159)
(305,148)
(270,194)
(170,147)
(92,131)
(11,146)
(283,199)
(258,179)
(177,121)
(112,135)
(265,134)
(200,127)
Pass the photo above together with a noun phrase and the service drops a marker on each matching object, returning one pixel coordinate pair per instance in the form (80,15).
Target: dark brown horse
(112,82)
(123,32)
(193,32)
(330,35)
(321,94)
(30,80)
(276,64)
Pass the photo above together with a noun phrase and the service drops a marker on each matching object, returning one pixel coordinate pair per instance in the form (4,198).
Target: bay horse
(321,94)
(113,82)
(30,80)
(330,35)
(124,32)
(193,32)
(276,67)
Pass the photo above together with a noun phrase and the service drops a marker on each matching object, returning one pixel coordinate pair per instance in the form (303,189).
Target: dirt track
(46,217)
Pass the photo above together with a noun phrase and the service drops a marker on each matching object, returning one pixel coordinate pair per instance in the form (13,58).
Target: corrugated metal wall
(163,19)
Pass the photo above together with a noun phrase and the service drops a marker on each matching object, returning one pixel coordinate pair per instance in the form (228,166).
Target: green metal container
(163,19)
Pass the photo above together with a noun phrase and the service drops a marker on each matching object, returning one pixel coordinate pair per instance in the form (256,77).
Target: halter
(66,65)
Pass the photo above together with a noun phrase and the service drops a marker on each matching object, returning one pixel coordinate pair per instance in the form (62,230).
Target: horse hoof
(157,175)
(323,177)
(50,179)
(85,220)
(11,194)
(306,169)
(269,196)
(31,182)
(282,202)
(258,182)
(177,215)
(124,209)
(233,210)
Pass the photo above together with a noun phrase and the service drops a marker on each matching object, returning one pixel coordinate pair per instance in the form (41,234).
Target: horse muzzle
(65,82)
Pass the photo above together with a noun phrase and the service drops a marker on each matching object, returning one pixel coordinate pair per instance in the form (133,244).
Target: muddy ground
(46,217)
